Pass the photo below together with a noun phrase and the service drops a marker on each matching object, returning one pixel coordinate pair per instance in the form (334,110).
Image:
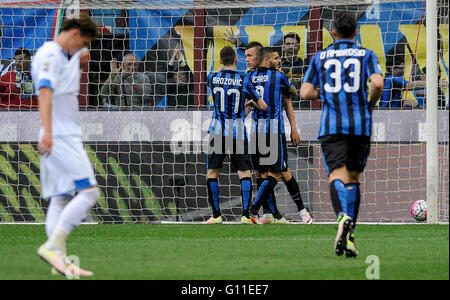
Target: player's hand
(84,59)
(250,102)
(295,137)
(46,143)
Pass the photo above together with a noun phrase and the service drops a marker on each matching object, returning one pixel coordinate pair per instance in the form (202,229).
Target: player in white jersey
(65,166)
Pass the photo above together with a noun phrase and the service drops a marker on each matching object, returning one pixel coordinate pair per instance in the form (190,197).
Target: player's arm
(45,110)
(376,89)
(48,75)
(289,89)
(295,136)
(252,97)
(248,109)
(84,59)
(260,104)
(308,91)
(293,91)
(375,76)
(289,92)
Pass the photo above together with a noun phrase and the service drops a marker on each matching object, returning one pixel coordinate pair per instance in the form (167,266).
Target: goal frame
(200,69)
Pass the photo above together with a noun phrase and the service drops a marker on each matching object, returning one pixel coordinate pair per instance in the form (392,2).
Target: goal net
(145,109)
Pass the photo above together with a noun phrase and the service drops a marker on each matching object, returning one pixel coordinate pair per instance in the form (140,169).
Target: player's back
(342,71)
(51,68)
(271,85)
(229,94)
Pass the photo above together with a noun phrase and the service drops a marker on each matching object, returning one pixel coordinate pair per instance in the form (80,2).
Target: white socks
(58,240)
(70,217)
(76,210)
(54,211)
(303,212)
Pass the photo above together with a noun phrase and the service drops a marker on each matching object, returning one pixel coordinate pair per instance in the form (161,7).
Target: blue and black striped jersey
(271,85)
(342,71)
(230,89)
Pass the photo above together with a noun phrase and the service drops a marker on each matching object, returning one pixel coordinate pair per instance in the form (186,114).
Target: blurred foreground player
(65,166)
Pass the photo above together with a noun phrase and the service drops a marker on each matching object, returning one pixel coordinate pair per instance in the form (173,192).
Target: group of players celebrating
(337,75)
(264,90)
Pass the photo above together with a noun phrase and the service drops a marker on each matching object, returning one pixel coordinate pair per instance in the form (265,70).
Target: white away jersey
(51,68)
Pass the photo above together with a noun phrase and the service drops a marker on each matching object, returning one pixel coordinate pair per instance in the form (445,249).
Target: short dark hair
(82,22)
(266,51)
(345,24)
(227,55)
(253,45)
(23,51)
(291,35)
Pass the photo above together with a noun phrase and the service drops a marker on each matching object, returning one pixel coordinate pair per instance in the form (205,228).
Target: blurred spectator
(16,86)
(180,90)
(395,84)
(293,66)
(126,86)
(158,81)
(421,93)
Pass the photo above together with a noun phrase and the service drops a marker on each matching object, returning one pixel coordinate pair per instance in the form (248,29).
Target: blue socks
(345,198)
(353,200)
(213,195)
(263,193)
(246,194)
(338,194)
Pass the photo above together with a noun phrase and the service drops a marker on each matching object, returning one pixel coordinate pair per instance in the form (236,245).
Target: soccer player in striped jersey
(230,90)
(252,54)
(270,142)
(65,165)
(338,76)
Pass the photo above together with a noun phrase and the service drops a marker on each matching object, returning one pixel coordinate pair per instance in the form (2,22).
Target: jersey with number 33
(342,71)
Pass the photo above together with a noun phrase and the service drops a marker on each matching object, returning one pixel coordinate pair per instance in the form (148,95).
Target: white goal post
(145,133)
(432,115)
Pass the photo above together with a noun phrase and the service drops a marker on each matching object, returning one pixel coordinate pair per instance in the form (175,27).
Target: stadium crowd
(130,84)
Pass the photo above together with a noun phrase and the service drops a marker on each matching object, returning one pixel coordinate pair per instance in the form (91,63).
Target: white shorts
(67,169)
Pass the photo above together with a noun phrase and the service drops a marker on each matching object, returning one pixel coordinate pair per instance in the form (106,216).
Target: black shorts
(237,150)
(340,150)
(274,157)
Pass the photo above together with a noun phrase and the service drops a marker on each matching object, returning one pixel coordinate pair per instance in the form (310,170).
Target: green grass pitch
(231,252)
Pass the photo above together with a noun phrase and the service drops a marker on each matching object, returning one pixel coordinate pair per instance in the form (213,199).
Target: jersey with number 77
(229,90)
(342,71)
